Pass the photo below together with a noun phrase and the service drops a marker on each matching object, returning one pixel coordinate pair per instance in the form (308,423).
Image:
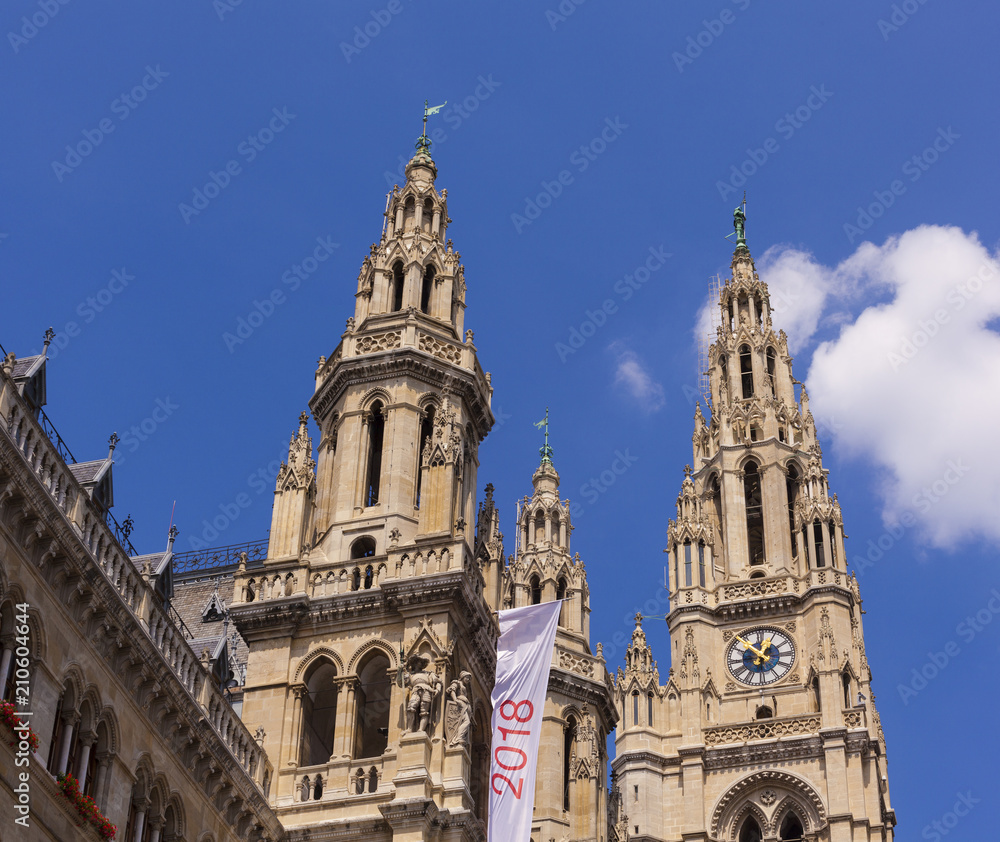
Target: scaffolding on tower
(705,340)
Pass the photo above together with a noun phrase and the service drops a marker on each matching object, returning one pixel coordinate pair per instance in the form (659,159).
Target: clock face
(760,656)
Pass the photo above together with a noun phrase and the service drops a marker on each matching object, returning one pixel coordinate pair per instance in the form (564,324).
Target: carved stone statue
(424,686)
(458,712)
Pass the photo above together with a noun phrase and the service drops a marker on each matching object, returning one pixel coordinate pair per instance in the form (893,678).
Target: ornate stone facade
(764,729)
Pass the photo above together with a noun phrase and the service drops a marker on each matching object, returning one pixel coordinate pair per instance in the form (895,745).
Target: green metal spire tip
(545,450)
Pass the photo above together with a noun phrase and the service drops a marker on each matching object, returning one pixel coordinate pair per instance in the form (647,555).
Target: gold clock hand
(750,646)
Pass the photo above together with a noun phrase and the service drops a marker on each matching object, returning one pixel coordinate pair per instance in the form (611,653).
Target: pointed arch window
(755,513)
(770,359)
(426,431)
(701,563)
(369,577)
(846,681)
(569,738)
(372,702)
(376,436)
(791,829)
(635,707)
(561,590)
(536,590)
(792,492)
(819,544)
(649,709)
(687,564)
(724,371)
(397,286)
(426,287)
(814,687)
(364,547)
(750,831)
(319,714)
(746,371)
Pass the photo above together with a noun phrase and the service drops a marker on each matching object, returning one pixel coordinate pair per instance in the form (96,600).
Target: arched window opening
(409,214)
(65,736)
(769,357)
(428,216)
(376,435)
(536,590)
(791,829)
(833,543)
(708,711)
(755,513)
(369,577)
(561,590)
(701,563)
(318,788)
(814,687)
(818,542)
(539,528)
(764,712)
(137,826)
(356,579)
(750,832)
(649,710)
(359,781)
(792,491)
(846,679)
(635,707)
(363,547)
(755,433)
(724,374)
(426,431)
(687,564)
(781,432)
(319,714)
(757,574)
(372,779)
(425,290)
(372,701)
(396,287)
(746,371)
(569,738)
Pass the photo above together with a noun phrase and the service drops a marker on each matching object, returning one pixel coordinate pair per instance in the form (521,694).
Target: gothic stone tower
(372,644)
(570,793)
(766,727)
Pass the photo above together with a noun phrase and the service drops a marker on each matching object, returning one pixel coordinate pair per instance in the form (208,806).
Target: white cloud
(631,375)
(913,383)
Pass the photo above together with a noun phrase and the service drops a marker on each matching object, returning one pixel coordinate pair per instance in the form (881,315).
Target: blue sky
(846,123)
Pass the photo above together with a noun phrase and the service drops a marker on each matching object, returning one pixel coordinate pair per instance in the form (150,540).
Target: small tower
(758,732)
(294,496)
(570,790)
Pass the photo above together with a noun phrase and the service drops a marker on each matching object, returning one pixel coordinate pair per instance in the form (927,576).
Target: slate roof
(87,471)
(191,595)
(156,563)
(23,366)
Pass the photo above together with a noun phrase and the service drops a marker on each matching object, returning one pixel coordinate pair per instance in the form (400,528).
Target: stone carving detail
(441,350)
(761,588)
(422,690)
(458,710)
(768,797)
(763,730)
(727,635)
(378,342)
(852,718)
(576,663)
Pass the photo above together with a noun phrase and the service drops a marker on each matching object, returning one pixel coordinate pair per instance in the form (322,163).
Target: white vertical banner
(524,657)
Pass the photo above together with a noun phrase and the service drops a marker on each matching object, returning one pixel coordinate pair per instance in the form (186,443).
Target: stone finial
(112,443)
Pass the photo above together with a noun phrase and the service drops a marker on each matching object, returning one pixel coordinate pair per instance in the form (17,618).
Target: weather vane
(545,450)
(423,142)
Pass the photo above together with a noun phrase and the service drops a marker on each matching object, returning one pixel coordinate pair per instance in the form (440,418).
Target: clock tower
(765,728)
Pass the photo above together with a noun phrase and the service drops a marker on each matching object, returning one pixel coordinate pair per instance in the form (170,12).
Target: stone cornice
(587,690)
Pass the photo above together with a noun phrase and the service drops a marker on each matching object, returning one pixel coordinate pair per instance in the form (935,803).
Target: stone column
(140,820)
(344,729)
(155,828)
(86,744)
(103,762)
(295,734)
(70,721)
